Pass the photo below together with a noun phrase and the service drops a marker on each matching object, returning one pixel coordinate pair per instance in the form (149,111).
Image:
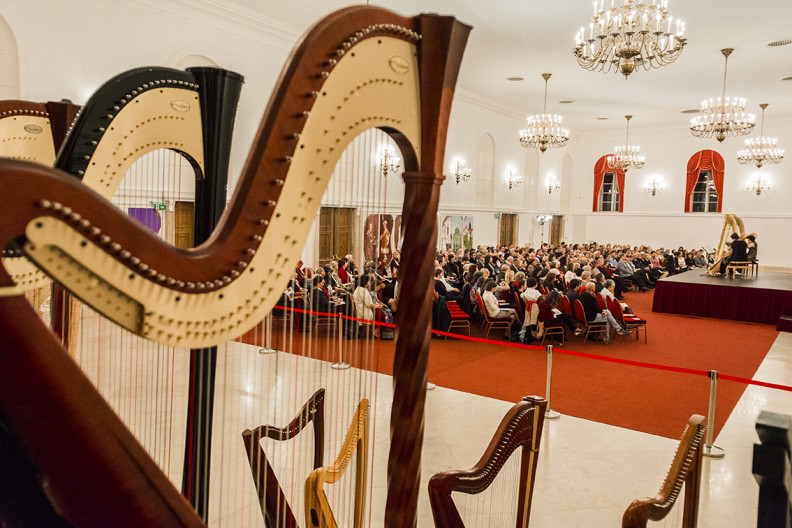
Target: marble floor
(587,472)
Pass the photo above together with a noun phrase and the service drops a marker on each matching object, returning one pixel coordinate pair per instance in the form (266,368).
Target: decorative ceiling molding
(223,18)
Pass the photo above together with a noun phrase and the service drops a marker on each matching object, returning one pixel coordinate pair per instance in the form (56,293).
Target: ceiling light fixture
(625,156)
(723,116)
(760,150)
(624,38)
(544,130)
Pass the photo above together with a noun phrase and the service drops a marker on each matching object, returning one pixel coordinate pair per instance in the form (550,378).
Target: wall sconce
(552,184)
(653,187)
(514,179)
(757,186)
(461,172)
(389,162)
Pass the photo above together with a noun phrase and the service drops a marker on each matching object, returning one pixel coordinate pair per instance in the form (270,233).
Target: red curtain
(704,160)
(600,168)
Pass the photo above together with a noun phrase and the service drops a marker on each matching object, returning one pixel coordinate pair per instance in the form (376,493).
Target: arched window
(608,187)
(704,189)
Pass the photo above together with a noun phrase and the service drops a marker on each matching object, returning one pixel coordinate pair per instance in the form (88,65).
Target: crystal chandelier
(626,156)
(389,162)
(634,35)
(544,130)
(760,150)
(722,116)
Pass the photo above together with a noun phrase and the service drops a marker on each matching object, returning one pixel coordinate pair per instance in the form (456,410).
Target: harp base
(340,366)
(713,452)
(267,350)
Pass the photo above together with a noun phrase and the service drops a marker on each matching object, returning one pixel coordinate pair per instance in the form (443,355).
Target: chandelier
(760,150)
(625,157)
(758,186)
(461,172)
(653,187)
(631,36)
(389,162)
(544,130)
(722,116)
(514,179)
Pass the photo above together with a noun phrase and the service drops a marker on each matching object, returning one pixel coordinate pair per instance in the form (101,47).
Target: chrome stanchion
(550,414)
(340,364)
(267,336)
(709,449)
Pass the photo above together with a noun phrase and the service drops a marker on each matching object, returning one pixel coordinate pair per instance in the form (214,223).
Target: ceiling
(524,38)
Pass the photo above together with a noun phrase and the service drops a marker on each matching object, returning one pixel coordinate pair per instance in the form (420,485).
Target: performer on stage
(737,253)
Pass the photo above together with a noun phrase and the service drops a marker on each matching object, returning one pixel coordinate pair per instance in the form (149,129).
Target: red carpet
(643,399)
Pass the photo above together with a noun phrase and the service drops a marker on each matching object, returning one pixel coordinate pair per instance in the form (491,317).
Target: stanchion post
(340,364)
(267,349)
(709,449)
(549,413)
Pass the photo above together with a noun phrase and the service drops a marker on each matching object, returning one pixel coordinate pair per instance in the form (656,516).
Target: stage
(762,299)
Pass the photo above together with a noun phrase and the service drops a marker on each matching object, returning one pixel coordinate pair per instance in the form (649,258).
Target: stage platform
(763,299)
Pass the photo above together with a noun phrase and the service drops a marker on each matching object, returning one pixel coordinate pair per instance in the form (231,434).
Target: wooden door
(336,233)
(557,230)
(507,229)
(184,224)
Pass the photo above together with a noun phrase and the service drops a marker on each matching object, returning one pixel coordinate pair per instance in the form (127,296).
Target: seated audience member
(343,272)
(608,291)
(595,315)
(320,296)
(531,292)
(551,316)
(442,287)
(394,265)
(699,260)
(737,253)
(681,263)
(365,304)
(627,271)
(493,308)
(572,293)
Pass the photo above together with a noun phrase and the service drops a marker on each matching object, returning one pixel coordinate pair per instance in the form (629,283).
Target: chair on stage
(590,328)
(744,267)
(628,321)
(685,470)
(489,322)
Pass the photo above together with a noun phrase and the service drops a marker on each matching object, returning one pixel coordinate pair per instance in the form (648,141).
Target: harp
(731,224)
(274,506)
(317,508)
(520,429)
(361,67)
(685,470)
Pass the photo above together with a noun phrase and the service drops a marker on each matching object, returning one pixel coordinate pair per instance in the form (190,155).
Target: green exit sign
(158,206)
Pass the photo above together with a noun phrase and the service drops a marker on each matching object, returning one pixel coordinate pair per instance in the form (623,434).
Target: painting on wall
(456,232)
(381,237)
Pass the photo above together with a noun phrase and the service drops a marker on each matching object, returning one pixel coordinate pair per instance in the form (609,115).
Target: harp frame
(731,224)
(77,227)
(521,428)
(685,469)
(317,507)
(274,507)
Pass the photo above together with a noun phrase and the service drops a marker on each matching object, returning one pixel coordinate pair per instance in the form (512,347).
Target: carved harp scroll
(685,469)
(274,506)
(521,428)
(358,68)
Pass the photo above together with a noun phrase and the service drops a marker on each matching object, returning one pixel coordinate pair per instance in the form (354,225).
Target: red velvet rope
(586,355)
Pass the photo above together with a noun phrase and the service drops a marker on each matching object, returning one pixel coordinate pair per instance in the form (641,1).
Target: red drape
(600,168)
(704,160)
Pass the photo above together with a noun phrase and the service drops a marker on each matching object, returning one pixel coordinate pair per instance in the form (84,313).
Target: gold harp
(520,429)
(731,224)
(685,470)
(197,298)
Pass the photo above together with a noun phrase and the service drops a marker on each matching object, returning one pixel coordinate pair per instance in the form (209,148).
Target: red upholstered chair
(590,328)
(459,319)
(609,304)
(581,290)
(564,306)
(489,322)
(629,321)
(601,302)
(543,289)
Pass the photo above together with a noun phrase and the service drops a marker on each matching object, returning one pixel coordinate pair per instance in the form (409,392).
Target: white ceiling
(528,37)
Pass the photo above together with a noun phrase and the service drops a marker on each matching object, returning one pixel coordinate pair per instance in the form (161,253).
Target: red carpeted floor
(633,397)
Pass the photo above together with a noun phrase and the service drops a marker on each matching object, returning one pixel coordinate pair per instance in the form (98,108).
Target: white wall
(78,45)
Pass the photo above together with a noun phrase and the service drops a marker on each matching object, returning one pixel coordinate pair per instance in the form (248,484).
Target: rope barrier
(586,355)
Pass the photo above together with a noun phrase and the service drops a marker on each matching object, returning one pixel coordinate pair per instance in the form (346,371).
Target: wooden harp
(731,224)
(520,429)
(360,67)
(318,512)
(274,506)
(685,470)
